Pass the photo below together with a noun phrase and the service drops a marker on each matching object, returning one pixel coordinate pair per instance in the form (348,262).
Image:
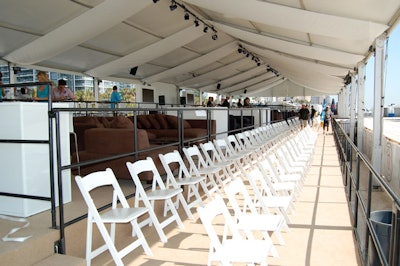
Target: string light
(186,17)
(256,59)
(174,5)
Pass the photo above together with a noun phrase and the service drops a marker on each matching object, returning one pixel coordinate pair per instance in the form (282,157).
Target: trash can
(382,223)
(391,111)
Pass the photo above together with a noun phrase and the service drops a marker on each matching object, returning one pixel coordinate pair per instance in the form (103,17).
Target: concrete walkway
(321,232)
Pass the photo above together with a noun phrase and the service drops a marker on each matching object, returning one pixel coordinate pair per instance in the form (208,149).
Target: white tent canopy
(287,47)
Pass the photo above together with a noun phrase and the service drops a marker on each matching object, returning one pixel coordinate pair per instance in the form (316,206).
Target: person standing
(226,103)
(61,92)
(327,119)
(210,102)
(246,103)
(312,116)
(115,97)
(42,93)
(239,104)
(304,115)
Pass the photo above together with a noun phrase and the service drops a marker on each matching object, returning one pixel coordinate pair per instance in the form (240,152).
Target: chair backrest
(250,138)
(170,158)
(254,137)
(100,179)
(265,171)
(233,144)
(141,166)
(209,213)
(195,159)
(236,189)
(267,165)
(260,181)
(223,148)
(259,188)
(210,153)
(243,140)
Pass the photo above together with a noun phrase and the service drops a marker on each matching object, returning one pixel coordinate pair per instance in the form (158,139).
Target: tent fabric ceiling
(304,47)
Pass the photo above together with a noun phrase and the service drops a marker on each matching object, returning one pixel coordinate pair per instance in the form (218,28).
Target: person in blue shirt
(42,93)
(115,97)
(325,119)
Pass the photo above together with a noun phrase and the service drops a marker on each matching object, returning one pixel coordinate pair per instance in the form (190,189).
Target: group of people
(58,93)
(225,102)
(308,117)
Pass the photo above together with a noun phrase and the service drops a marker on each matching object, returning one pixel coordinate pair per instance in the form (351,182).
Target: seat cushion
(114,141)
(144,121)
(154,122)
(121,122)
(173,122)
(162,119)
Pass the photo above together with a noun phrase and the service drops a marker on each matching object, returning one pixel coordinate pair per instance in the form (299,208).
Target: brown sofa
(161,126)
(102,137)
(101,143)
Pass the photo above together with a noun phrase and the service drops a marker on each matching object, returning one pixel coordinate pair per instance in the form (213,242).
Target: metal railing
(56,167)
(364,198)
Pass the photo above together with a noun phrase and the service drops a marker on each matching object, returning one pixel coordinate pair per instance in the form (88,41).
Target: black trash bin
(382,223)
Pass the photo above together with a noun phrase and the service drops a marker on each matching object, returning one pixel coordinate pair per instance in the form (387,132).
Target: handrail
(346,146)
(371,168)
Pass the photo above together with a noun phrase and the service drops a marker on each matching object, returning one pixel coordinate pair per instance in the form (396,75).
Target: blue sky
(392,87)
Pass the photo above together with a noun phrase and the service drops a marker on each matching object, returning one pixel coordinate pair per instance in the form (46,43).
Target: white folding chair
(280,172)
(198,167)
(116,215)
(293,159)
(213,159)
(245,142)
(264,198)
(158,192)
(246,145)
(281,182)
(237,148)
(238,161)
(183,179)
(277,188)
(228,250)
(247,217)
(287,165)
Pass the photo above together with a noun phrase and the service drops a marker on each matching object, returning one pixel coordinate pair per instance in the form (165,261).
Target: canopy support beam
(379,79)
(360,104)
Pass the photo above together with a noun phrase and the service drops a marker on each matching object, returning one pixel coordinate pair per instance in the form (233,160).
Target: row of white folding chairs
(292,146)
(170,192)
(251,172)
(246,220)
(265,198)
(159,191)
(204,170)
(217,158)
(219,166)
(221,159)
